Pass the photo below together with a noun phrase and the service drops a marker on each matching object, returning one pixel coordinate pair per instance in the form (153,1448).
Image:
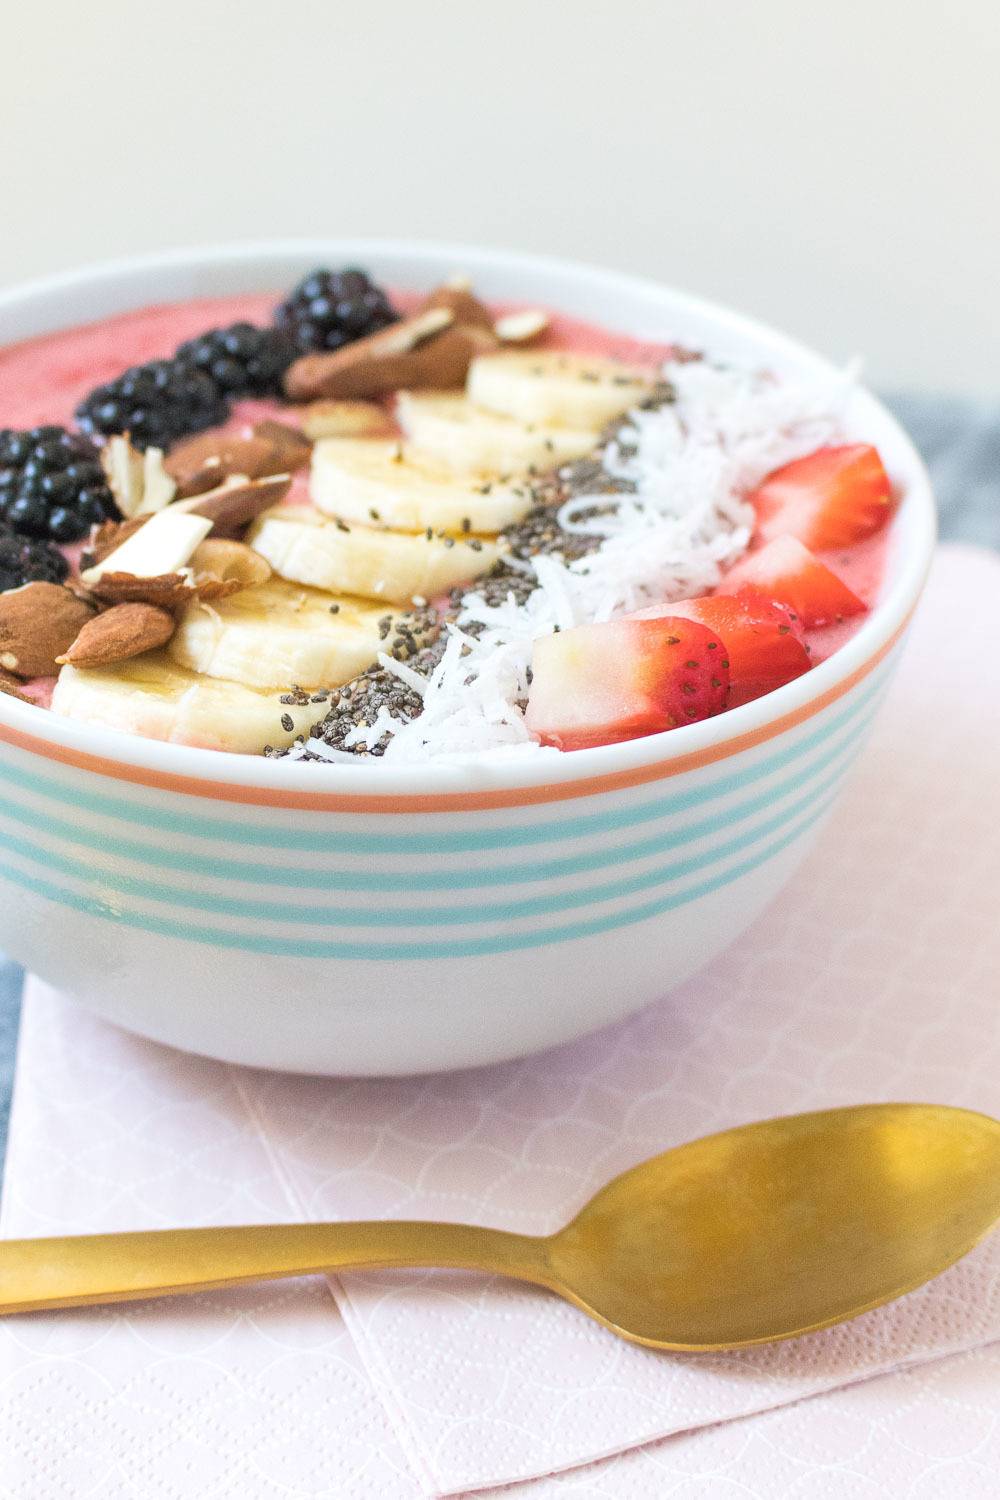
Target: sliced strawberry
(763,647)
(831,498)
(787,573)
(599,684)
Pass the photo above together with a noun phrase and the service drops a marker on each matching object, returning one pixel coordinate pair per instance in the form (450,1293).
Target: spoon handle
(73,1270)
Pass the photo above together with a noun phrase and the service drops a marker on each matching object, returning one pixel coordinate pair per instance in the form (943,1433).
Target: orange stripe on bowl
(222,791)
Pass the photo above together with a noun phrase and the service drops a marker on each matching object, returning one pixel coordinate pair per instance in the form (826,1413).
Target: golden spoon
(755,1234)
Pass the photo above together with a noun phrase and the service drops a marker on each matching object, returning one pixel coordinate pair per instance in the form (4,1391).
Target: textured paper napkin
(875,977)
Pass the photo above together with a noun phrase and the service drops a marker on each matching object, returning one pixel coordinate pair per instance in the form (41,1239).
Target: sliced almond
(356,371)
(106,538)
(158,489)
(226,562)
(161,546)
(463,303)
(291,448)
(310,376)
(120,633)
(123,470)
(200,463)
(237,501)
(37,622)
(138,481)
(322,419)
(521,327)
(167,590)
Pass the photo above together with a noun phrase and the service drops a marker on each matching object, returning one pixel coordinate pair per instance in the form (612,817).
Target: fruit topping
(566,390)
(51,483)
(447,426)
(600,684)
(37,623)
(787,573)
(346,419)
(154,403)
(831,498)
(331,308)
(763,648)
(365,479)
(23,560)
(124,631)
(240,360)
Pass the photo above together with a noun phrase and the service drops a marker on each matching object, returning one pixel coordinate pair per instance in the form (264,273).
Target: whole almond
(120,633)
(165,591)
(461,301)
(37,622)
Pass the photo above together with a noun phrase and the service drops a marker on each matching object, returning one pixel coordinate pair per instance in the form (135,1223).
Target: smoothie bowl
(417,656)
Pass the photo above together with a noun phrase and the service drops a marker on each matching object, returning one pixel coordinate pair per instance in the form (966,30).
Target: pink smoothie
(43,379)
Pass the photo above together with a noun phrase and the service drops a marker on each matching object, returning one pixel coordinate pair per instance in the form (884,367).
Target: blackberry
(52,484)
(240,360)
(331,308)
(23,560)
(154,403)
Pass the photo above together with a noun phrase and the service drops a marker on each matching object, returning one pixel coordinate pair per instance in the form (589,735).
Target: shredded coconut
(680,520)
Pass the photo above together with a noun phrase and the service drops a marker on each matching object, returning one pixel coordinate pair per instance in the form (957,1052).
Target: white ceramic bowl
(382,920)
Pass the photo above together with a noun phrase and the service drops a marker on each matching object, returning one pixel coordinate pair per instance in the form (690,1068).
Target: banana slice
(468,439)
(368,480)
(548,386)
(397,567)
(281,633)
(152,696)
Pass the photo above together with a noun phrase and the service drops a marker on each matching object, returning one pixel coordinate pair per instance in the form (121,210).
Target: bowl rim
(418,787)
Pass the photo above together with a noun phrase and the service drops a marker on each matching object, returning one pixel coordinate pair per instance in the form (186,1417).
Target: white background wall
(832,168)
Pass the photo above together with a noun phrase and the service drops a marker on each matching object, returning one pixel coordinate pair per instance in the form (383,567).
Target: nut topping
(237,501)
(233,565)
(521,327)
(201,463)
(360,370)
(125,631)
(37,622)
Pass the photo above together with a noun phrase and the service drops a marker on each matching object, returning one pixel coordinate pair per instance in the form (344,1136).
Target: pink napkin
(874,978)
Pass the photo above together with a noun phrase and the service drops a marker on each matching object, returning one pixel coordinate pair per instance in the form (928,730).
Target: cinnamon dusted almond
(323,419)
(125,631)
(356,371)
(200,463)
(237,502)
(37,622)
(316,374)
(291,448)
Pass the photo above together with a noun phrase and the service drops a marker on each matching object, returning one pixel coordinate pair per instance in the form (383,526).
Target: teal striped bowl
(380,920)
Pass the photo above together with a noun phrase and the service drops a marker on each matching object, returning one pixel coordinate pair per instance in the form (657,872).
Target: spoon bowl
(756,1234)
(782,1227)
